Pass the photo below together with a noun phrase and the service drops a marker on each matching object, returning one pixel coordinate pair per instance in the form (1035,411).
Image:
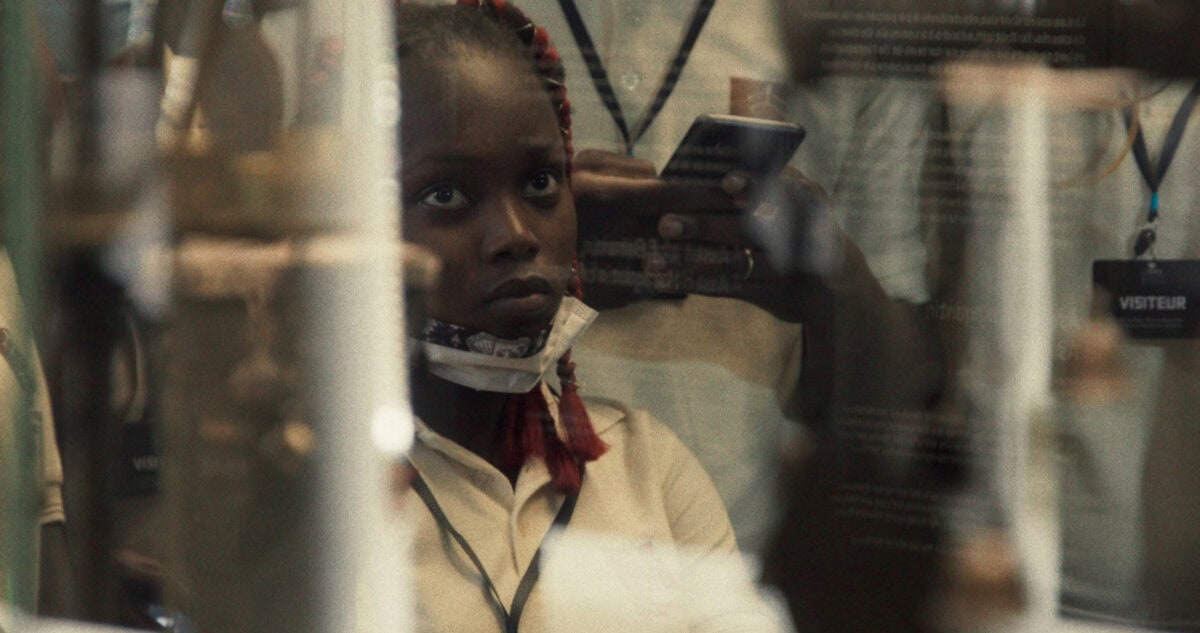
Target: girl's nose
(510,234)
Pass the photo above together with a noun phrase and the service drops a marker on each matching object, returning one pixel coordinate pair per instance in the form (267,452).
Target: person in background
(729,372)
(24,400)
(827,325)
(1125,399)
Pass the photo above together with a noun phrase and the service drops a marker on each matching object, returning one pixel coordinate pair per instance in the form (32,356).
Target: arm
(862,348)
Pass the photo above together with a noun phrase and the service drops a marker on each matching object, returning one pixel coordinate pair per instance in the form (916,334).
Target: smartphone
(717,144)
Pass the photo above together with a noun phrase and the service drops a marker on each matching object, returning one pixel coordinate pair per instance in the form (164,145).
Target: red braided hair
(530,432)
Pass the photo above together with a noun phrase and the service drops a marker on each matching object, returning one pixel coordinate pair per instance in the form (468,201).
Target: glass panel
(894,314)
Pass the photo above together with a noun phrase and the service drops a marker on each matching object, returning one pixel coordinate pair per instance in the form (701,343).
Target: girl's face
(484,188)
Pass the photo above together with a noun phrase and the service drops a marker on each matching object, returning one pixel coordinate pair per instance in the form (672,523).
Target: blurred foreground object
(980,587)
(1094,487)
(284,399)
(1094,372)
(32,539)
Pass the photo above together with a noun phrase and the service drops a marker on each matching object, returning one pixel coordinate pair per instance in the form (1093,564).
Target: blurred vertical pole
(1025,321)
(20,100)
(287,412)
(1007,369)
(358,356)
(90,301)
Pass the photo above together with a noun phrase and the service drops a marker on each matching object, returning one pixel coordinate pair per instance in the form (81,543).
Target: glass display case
(938,372)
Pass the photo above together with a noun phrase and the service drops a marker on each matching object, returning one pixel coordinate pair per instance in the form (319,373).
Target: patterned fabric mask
(486,362)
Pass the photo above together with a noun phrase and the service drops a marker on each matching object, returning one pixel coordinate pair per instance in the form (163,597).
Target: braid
(547,62)
(530,430)
(581,438)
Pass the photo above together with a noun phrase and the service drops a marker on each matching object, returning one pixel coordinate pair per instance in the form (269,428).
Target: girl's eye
(542,183)
(444,197)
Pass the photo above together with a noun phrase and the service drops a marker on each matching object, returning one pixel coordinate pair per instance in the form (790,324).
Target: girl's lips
(530,304)
(519,289)
(521,303)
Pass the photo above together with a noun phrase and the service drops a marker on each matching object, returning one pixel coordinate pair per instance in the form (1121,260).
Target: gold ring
(749,255)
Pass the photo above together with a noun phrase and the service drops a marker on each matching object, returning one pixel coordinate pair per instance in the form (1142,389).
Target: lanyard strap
(511,619)
(599,75)
(1154,177)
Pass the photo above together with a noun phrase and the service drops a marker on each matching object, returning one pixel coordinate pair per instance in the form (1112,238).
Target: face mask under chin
(486,362)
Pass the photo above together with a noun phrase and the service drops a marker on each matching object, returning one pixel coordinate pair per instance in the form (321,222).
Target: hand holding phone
(622,206)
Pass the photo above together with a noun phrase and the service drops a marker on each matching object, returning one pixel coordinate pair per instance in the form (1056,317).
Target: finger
(600,161)
(742,187)
(715,228)
(736,183)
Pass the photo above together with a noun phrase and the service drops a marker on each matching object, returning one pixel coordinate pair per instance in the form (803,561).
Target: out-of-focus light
(392,429)
(387,97)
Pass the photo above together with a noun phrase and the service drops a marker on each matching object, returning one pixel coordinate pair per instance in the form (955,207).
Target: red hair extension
(530,429)
(530,433)
(581,437)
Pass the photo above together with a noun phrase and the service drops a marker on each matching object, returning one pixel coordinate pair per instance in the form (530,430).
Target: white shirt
(646,490)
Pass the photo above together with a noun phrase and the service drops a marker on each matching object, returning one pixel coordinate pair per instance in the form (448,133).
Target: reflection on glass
(939,368)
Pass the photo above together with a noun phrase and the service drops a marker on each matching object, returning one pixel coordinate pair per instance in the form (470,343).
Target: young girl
(502,456)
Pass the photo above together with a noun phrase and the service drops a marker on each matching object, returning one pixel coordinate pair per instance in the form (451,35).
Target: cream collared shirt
(647,493)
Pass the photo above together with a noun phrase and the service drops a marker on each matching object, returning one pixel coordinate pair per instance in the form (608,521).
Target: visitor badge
(1152,298)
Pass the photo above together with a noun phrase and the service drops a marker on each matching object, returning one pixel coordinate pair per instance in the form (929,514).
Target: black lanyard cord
(525,587)
(1152,176)
(603,85)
